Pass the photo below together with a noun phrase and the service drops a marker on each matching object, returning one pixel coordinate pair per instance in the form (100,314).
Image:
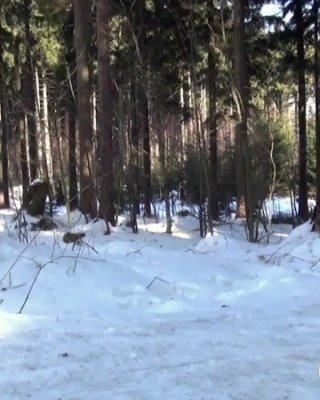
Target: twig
(3,289)
(275,253)
(89,246)
(55,243)
(156,278)
(191,250)
(19,256)
(31,287)
(73,270)
(314,264)
(138,251)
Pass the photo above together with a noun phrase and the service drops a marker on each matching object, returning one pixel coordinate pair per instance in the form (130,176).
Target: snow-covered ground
(153,316)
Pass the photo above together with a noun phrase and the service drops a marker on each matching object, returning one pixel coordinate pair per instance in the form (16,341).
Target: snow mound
(120,248)
(301,249)
(186,224)
(214,242)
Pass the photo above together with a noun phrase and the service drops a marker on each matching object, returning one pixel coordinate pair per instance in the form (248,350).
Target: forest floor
(152,316)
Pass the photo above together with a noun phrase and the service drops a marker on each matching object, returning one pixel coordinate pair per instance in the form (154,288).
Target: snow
(282,206)
(153,316)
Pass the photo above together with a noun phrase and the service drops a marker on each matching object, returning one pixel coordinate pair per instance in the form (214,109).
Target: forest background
(115,104)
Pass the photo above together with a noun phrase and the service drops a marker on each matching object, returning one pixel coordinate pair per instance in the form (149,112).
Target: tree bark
(70,110)
(134,146)
(4,181)
(144,111)
(212,121)
(241,87)
(20,129)
(303,188)
(46,151)
(146,155)
(29,91)
(316,222)
(71,128)
(88,200)
(105,114)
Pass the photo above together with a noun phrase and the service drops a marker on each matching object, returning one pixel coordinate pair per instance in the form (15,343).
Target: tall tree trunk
(29,91)
(134,146)
(4,181)
(212,121)
(70,121)
(303,188)
(316,222)
(88,200)
(70,109)
(20,129)
(38,128)
(105,114)
(162,133)
(146,155)
(144,111)
(46,152)
(241,97)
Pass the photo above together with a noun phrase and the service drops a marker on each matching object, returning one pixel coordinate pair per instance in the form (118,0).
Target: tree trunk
(212,122)
(241,97)
(4,181)
(20,129)
(144,110)
(38,128)
(146,155)
(240,87)
(70,120)
(46,152)
(134,147)
(303,188)
(88,201)
(316,222)
(29,92)
(70,110)
(105,114)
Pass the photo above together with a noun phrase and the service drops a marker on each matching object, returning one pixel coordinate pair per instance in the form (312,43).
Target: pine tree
(88,201)
(105,114)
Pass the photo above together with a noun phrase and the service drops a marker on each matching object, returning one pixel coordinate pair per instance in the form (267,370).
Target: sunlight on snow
(9,323)
(182,235)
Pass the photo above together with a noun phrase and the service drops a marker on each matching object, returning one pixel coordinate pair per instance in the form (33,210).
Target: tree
(105,114)
(316,223)
(82,12)
(29,90)
(303,188)
(212,119)
(144,103)
(4,184)
(297,8)
(70,106)
(241,98)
